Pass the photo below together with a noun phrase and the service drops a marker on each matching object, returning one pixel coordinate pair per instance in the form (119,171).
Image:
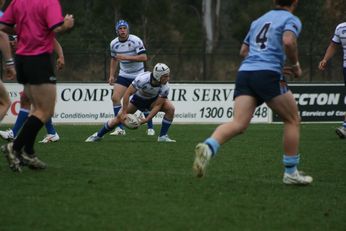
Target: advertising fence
(194,103)
(319,102)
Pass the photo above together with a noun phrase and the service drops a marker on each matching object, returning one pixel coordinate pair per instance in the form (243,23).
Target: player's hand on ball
(132,121)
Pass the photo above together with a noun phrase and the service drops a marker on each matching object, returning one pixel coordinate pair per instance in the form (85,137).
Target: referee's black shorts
(35,69)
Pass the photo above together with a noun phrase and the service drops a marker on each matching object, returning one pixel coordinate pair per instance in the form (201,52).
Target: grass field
(135,183)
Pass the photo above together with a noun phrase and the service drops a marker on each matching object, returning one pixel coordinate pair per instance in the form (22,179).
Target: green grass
(135,183)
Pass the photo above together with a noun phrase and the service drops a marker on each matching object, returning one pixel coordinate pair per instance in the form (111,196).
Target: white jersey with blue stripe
(145,90)
(132,46)
(340,38)
(266,50)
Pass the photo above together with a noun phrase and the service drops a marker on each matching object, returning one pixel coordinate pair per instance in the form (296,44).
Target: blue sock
(116,109)
(21,118)
(150,122)
(213,145)
(105,129)
(166,123)
(290,163)
(49,127)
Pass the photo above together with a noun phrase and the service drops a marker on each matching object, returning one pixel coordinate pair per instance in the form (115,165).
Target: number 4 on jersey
(261,37)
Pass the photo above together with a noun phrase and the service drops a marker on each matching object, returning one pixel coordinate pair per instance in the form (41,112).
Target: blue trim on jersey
(336,42)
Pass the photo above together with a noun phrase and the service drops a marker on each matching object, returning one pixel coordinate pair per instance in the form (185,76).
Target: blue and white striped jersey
(132,46)
(340,38)
(145,90)
(266,51)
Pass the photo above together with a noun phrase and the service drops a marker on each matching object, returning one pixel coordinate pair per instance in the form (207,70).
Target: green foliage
(173,32)
(135,183)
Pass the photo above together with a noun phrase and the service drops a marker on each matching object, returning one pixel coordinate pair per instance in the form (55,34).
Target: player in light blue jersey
(339,39)
(147,92)
(129,54)
(260,79)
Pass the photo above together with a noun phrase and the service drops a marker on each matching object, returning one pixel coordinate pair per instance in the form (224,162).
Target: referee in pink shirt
(35,23)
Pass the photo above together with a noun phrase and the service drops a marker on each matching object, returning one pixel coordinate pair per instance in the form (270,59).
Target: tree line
(198,39)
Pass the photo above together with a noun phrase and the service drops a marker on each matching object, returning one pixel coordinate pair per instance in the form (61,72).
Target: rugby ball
(132,121)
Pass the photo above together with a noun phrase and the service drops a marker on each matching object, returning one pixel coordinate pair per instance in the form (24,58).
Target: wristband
(9,62)
(296,64)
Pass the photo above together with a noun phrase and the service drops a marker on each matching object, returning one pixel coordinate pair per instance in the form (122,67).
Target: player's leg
(169,109)
(23,114)
(35,73)
(43,97)
(118,93)
(341,131)
(109,125)
(286,107)
(150,125)
(5,102)
(244,107)
(4,106)
(52,135)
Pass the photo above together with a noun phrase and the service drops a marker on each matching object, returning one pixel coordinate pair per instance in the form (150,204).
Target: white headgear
(160,69)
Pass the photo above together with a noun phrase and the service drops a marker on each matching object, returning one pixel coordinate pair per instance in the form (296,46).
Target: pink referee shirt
(34,21)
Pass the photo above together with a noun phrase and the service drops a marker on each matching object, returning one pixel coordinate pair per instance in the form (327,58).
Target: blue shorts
(124,81)
(263,85)
(142,104)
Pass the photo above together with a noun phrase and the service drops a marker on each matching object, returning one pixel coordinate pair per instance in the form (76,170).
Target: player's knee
(115,99)
(241,128)
(6,102)
(170,110)
(294,120)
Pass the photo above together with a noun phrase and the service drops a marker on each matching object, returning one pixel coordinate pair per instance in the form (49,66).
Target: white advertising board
(91,103)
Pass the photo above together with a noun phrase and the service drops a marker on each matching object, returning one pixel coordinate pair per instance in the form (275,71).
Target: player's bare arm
(331,50)
(67,25)
(112,70)
(10,72)
(60,62)
(291,49)
(7,29)
(244,50)
(126,99)
(157,105)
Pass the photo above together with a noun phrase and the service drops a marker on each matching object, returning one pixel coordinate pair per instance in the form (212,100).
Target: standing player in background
(10,73)
(339,39)
(25,105)
(127,51)
(149,91)
(34,70)
(260,79)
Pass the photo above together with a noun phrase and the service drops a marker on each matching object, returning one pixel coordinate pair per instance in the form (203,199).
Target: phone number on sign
(220,112)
